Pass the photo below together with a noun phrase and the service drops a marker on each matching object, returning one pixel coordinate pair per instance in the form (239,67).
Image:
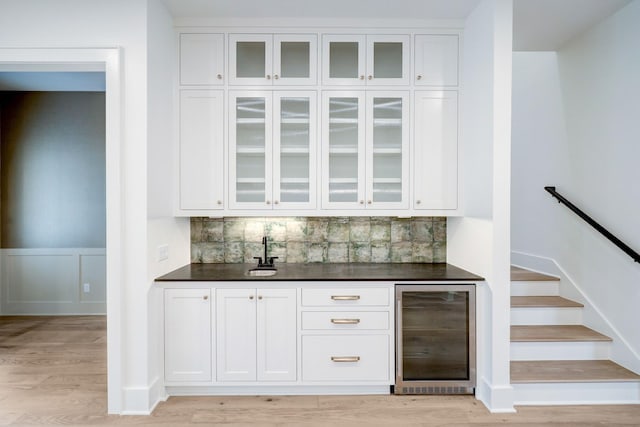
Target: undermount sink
(263,272)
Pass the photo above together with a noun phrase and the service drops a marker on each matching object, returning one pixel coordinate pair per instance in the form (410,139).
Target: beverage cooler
(435,339)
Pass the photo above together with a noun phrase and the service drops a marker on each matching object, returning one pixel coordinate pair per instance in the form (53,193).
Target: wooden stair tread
(522,275)
(553,371)
(543,301)
(545,333)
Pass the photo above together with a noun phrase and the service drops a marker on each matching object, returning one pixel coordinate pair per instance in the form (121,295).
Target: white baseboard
(143,400)
(276,390)
(601,393)
(497,399)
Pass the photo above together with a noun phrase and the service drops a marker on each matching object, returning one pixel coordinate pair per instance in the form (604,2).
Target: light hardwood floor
(53,371)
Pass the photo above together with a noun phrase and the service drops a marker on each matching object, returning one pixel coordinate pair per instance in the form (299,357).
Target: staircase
(555,360)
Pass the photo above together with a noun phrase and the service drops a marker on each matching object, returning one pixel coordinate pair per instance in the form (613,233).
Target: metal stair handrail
(619,243)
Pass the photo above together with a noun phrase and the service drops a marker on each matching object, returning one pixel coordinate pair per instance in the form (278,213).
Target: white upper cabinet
(201,59)
(436,150)
(272,161)
(365,150)
(266,59)
(365,60)
(436,60)
(201,148)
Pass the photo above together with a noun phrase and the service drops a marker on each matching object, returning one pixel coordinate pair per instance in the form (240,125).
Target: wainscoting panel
(52,281)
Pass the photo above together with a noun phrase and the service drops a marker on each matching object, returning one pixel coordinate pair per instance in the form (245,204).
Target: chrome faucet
(268,261)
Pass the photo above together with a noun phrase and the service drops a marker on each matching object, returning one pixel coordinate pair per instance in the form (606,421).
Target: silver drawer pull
(345,358)
(345,321)
(345,297)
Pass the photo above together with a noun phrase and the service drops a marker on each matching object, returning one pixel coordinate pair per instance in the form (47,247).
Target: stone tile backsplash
(320,239)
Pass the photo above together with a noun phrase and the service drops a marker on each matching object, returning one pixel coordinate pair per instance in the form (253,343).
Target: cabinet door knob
(275,202)
(259,296)
(419,77)
(206,297)
(368,202)
(268,77)
(362,202)
(250,296)
(361,77)
(219,76)
(268,202)
(418,202)
(219,202)
(276,77)
(370,77)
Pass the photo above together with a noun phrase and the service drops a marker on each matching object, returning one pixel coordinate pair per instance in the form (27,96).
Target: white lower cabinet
(347,335)
(187,335)
(234,340)
(345,358)
(256,330)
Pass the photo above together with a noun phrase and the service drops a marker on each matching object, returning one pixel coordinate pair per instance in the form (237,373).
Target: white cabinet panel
(236,332)
(201,165)
(345,297)
(436,150)
(187,335)
(257,333)
(277,335)
(201,59)
(436,60)
(345,358)
(345,320)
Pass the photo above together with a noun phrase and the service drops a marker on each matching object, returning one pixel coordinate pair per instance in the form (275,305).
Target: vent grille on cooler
(437,390)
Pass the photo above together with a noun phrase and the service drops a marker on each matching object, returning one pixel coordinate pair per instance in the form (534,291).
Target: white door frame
(109,61)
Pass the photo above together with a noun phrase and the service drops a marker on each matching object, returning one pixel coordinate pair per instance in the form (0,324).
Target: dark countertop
(323,272)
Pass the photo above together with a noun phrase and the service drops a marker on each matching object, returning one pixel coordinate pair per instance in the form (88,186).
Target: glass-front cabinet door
(343,59)
(295,59)
(387,60)
(250,150)
(343,136)
(250,57)
(266,59)
(366,150)
(294,148)
(365,60)
(387,150)
(272,150)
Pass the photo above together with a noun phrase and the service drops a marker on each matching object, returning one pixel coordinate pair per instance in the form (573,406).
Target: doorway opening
(106,61)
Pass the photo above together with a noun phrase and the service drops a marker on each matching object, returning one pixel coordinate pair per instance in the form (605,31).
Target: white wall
(480,241)
(162,227)
(115,23)
(575,126)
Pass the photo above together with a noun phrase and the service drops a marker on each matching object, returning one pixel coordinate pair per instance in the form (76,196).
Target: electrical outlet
(163,252)
(86,288)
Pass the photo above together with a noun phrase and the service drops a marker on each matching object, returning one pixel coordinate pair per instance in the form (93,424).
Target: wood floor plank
(520,274)
(543,301)
(548,333)
(75,394)
(551,371)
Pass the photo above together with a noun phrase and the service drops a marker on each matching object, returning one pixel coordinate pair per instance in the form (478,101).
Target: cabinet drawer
(345,320)
(345,358)
(345,297)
